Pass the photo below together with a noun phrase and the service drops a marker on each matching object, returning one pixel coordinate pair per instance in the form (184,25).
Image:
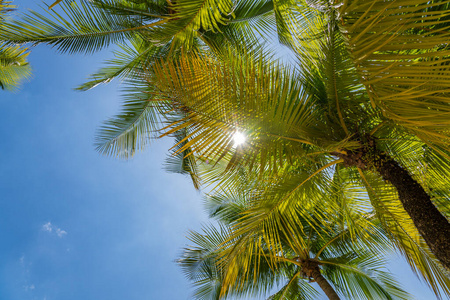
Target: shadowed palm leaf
(13,64)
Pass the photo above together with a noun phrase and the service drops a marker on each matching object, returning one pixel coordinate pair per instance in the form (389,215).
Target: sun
(239,138)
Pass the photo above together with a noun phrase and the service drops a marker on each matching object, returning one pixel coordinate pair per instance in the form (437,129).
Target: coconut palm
(331,251)
(289,123)
(369,94)
(329,110)
(13,64)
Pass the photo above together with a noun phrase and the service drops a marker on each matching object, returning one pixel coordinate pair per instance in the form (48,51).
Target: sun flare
(239,138)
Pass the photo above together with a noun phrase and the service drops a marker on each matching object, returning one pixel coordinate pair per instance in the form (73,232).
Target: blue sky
(78,225)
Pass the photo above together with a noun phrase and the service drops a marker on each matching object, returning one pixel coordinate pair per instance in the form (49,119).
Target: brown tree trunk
(325,286)
(310,268)
(431,224)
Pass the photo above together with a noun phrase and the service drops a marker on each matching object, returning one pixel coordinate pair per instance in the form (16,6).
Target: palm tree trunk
(311,269)
(324,285)
(431,224)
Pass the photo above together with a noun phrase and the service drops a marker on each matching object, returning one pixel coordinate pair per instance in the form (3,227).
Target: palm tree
(288,123)
(13,64)
(369,94)
(332,251)
(377,116)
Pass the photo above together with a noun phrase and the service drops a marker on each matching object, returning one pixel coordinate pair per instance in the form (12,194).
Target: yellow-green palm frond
(249,17)
(403,234)
(400,49)
(295,288)
(361,275)
(327,72)
(238,94)
(187,18)
(147,10)
(258,22)
(128,62)
(351,269)
(14,67)
(200,265)
(132,129)
(55,3)
(84,27)
(198,262)
(285,19)
(5,7)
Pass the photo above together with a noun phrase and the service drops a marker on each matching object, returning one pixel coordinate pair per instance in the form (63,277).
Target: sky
(78,225)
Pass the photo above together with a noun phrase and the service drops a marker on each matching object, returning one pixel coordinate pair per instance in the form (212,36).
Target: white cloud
(29,287)
(60,232)
(49,227)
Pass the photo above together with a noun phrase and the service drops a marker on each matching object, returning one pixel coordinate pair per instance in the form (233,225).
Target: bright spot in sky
(238,138)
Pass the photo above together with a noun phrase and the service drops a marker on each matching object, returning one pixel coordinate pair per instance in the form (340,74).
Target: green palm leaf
(133,128)
(404,235)
(13,66)
(399,49)
(225,96)
(85,28)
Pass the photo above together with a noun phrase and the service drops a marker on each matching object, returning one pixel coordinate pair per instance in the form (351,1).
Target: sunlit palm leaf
(14,67)
(85,28)
(295,288)
(400,50)
(261,100)
(362,276)
(187,17)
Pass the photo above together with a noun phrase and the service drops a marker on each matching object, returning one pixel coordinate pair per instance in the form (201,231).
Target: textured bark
(325,286)
(310,269)
(431,224)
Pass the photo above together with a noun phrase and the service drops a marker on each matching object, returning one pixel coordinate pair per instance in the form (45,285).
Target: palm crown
(339,252)
(368,91)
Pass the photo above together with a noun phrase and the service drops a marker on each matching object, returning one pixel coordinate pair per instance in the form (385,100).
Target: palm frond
(295,288)
(187,17)
(400,51)
(84,28)
(147,10)
(200,264)
(402,232)
(133,128)
(183,162)
(130,61)
(14,67)
(363,276)
(222,97)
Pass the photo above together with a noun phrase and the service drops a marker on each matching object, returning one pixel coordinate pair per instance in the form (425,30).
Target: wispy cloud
(49,227)
(29,287)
